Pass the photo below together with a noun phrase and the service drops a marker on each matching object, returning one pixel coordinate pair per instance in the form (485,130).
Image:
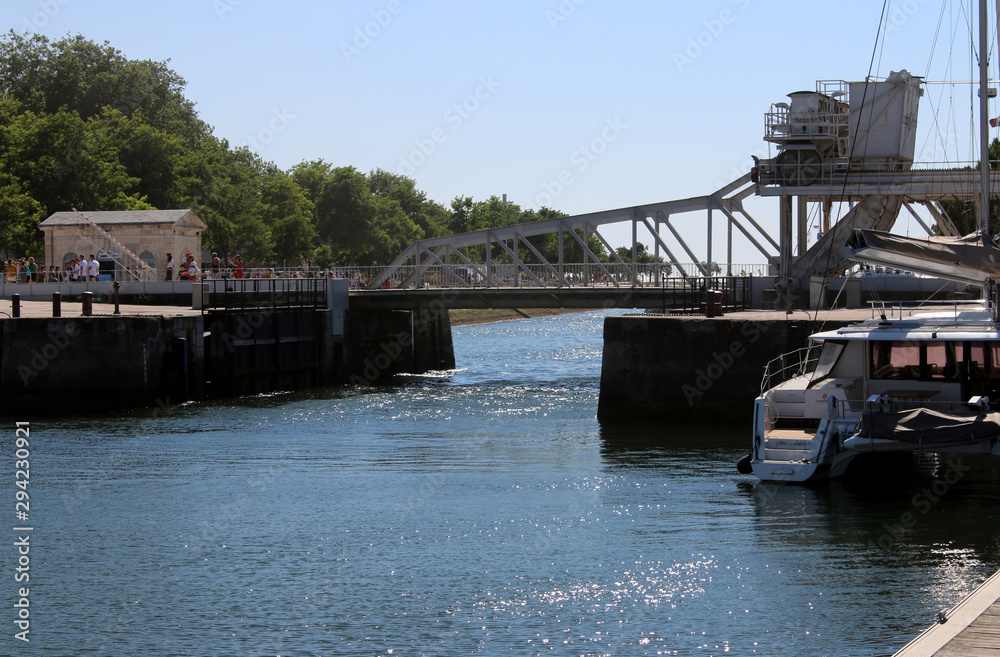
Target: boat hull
(792,472)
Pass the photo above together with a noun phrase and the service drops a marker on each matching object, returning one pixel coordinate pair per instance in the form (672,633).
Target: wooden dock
(970,629)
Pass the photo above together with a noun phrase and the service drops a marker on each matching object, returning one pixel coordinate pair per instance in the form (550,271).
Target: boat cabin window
(895,359)
(934,360)
(827,359)
(945,360)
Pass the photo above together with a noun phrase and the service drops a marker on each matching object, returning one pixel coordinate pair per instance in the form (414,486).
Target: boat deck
(791,434)
(972,628)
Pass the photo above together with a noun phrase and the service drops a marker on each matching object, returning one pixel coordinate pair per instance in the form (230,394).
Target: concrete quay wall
(101,363)
(93,364)
(689,369)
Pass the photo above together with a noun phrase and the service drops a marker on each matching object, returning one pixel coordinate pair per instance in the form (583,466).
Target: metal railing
(535,275)
(788,366)
(501,274)
(255,293)
(901,309)
(886,404)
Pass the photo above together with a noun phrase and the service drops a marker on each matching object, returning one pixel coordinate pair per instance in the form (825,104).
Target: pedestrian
(192,268)
(170,267)
(94,267)
(216,265)
(237,264)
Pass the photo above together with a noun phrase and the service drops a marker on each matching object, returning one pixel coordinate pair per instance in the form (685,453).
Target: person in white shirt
(93,268)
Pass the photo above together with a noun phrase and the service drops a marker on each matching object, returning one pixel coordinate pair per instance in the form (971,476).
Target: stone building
(149,234)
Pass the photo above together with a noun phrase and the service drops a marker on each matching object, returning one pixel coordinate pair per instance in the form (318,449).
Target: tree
(344,212)
(431,217)
(391,231)
(225,192)
(642,254)
(288,214)
(965,214)
(81,76)
(19,218)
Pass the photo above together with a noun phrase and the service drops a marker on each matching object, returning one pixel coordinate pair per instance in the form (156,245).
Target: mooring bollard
(88,303)
(117,311)
(15,305)
(56,304)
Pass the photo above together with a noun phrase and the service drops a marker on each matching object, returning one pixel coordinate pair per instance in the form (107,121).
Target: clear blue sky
(482,98)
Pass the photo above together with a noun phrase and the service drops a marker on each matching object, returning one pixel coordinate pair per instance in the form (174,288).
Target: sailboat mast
(984,135)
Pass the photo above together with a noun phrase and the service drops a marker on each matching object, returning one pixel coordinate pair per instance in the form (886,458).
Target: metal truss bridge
(874,200)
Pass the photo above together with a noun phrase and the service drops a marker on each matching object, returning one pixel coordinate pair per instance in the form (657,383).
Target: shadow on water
(889,510)
(637,438)
(936,511)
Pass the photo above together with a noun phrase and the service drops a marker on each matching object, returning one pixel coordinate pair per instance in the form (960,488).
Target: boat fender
(743,465)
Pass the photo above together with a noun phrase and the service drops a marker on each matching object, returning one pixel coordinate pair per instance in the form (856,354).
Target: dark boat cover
(926,427)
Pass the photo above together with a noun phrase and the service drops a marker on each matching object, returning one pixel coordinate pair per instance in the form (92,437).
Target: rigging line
(940,133)
(937,33)
(850,153)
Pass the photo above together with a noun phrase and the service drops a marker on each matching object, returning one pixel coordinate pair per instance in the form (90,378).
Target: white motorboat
(907,383)
(917,383)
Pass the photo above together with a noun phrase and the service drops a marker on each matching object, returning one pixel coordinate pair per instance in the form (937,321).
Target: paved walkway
(31,308)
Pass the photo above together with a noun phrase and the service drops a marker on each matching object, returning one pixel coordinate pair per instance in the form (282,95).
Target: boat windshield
(827,360)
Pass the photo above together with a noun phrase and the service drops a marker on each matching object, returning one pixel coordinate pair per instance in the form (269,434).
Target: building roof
(180,218)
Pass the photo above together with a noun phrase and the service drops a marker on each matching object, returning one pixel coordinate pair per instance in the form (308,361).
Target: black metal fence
(695,294)
(252,293)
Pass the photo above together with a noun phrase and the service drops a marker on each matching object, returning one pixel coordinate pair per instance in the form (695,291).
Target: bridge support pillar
(383,344)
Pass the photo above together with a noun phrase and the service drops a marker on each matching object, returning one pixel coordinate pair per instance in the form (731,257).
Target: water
(484,512)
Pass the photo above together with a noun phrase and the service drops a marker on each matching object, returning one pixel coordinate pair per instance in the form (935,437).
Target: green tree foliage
(642,254)
(288,214)
(964,214)
(430,217)
(344,213)
(83,126)
(78,75)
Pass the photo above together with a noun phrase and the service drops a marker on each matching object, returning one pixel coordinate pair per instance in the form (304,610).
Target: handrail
(798,362)
(253,293)
(895,309)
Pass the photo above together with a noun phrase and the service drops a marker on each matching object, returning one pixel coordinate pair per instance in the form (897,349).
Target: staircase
(133,262)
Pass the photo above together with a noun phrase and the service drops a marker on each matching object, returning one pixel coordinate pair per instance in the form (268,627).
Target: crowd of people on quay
(26,270)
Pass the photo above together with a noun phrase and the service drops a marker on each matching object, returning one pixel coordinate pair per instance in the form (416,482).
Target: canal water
(478,512)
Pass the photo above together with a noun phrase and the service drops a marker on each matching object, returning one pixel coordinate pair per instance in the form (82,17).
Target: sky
(578,105)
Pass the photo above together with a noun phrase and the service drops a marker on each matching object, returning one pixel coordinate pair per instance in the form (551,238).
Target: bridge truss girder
(876,198)
(409,269)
